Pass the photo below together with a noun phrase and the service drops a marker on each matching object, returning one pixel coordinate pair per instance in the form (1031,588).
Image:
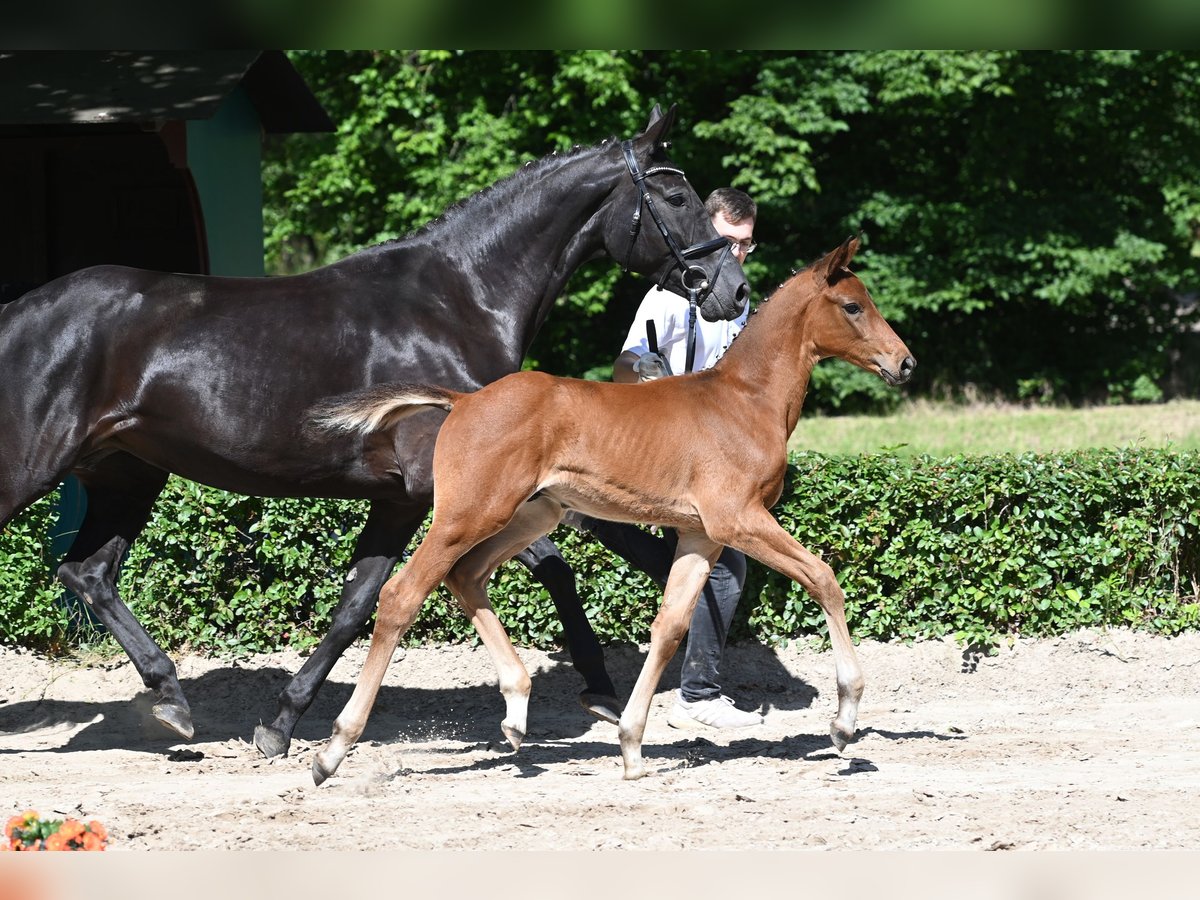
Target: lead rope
(691,329)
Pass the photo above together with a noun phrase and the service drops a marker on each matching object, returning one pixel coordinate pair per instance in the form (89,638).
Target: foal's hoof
(514,735)
(175,717)
(840,735)
(634,771)
(320,771)
(602,706)
(270,741)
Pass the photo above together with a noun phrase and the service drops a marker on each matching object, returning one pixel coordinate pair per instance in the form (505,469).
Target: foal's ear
(837,262)
(660,125)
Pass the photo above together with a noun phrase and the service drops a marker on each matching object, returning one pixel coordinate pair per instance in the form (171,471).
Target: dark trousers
(714,609)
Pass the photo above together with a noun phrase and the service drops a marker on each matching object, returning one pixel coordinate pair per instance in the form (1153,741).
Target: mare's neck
(511,248)
(772,359)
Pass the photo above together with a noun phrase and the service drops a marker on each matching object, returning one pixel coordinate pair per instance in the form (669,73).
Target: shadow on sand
(228,702)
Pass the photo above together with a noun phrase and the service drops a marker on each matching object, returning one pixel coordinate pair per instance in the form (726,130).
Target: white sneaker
(718,712)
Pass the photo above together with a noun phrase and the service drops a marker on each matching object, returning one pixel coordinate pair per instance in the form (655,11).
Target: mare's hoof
(175,717)
(602,706)
(271,742)
(514,735)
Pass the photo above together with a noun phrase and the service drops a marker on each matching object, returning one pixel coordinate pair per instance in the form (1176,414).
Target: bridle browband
(703,284)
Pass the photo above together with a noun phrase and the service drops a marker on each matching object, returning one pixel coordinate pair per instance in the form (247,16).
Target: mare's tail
(379,407)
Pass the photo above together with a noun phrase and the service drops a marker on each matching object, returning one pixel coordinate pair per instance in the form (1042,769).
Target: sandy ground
(1090,741)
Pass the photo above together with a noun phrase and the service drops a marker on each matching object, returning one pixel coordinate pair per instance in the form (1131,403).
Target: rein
(695,279)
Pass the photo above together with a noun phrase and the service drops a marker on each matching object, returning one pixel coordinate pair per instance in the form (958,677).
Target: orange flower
(22,821)
(56,841)
(30,832)
(71,829)
(93,841)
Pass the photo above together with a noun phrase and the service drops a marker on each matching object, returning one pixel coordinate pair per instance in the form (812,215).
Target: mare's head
(845,322)
(656,224)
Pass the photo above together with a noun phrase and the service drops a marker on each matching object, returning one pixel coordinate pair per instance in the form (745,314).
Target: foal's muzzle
(901,373)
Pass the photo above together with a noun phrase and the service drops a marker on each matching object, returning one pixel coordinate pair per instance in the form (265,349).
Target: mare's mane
(530,169)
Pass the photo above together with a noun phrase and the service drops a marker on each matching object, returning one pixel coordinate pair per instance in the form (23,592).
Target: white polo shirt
(669,313)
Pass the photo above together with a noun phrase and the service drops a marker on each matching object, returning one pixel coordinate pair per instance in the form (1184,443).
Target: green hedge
(981,547)
(977,547)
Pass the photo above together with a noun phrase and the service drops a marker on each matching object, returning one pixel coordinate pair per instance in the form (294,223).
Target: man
(699,702)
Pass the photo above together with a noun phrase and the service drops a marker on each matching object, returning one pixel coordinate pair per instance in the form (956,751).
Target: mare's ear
(837,262)
(659,125)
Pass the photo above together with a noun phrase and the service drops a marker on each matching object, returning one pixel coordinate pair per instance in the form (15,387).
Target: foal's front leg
(694,558)
(760,536)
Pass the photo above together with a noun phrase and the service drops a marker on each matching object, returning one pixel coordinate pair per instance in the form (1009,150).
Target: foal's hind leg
(386,533)
(599,697)
(121,491)
(467,580)
(694,558)
(399,602)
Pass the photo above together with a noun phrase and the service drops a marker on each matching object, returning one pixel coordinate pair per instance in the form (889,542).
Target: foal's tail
(380,407)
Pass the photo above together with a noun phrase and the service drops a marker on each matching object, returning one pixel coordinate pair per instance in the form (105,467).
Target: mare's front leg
(387,531)
(694,558)
(756,533)
(467,580)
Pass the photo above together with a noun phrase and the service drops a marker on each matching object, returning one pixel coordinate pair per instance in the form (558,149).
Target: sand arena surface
(1090,741)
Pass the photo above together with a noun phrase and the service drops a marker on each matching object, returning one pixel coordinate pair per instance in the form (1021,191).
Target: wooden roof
(65,87)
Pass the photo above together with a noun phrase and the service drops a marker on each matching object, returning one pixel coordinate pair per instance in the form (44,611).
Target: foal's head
(845,323)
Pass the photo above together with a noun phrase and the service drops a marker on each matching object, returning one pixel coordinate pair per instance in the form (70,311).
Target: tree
(1030,218)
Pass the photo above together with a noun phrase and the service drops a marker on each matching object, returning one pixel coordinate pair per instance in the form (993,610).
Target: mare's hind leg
(121,491)
(599,697)
(694,558)
(386,533)
(467,580)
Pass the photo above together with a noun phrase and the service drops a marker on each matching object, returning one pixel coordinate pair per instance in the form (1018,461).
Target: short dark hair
(735,205)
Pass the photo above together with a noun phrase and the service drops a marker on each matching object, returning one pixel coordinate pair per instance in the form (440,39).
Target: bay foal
(704,453)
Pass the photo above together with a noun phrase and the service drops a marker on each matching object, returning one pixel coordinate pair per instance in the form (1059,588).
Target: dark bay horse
(122,376)
(712,469)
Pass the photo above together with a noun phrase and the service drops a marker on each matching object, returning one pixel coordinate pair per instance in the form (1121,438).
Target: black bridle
(695,280)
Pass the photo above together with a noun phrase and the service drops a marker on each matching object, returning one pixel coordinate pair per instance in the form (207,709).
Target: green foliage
(982,547)
(1029,216)
(979,547)
(221,571)
(424,23)
(30,613)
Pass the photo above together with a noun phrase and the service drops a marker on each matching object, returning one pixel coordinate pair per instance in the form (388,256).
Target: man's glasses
(746,247)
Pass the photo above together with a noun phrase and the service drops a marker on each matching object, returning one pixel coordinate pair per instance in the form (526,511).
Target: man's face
(741,233)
